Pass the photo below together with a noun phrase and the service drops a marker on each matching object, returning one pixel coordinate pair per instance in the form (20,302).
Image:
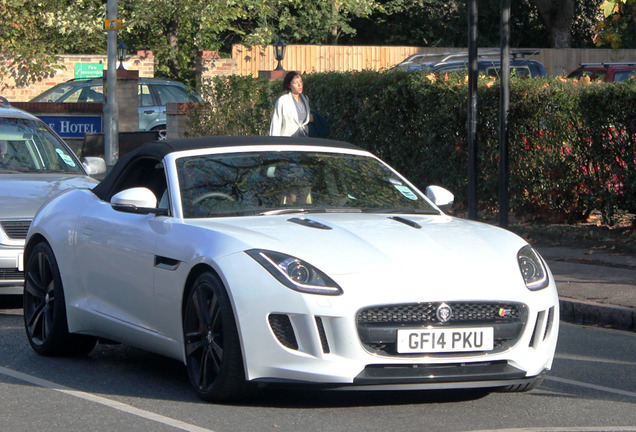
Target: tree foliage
(32,33)
(445,23)
(618,26)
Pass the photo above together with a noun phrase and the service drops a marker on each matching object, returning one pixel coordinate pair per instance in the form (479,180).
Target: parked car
(273,260)
(488,63)
(153,95)
(608,72)
(35,164)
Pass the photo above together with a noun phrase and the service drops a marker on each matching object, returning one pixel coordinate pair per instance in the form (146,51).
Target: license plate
(432,340)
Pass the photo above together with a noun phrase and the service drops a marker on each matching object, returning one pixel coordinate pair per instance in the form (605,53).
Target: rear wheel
(213,351)
(45,310)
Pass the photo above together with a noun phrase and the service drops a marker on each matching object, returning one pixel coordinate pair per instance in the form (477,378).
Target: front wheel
(45,310)
(213,351)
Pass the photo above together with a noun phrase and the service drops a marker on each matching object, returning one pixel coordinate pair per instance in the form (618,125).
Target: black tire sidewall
(59,342)
(230,384)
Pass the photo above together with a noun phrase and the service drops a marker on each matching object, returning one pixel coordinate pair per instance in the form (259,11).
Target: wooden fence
(326,58)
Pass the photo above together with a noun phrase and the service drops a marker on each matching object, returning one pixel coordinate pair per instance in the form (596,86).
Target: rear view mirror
(441,197)
(94,165)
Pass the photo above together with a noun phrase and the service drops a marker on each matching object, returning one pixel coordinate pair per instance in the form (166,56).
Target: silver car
(35,164)
(153,95)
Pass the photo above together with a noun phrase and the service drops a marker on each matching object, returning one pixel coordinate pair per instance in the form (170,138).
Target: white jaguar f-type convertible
(260,260)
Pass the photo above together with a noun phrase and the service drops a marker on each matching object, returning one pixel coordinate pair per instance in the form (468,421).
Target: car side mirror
(441,197)
(139,200)
(94,165)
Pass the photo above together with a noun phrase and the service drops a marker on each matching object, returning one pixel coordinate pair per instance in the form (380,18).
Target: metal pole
(472,109)
(504,112)
(111,109)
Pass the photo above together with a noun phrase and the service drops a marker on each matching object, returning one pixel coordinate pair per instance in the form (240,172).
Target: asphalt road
(592,387)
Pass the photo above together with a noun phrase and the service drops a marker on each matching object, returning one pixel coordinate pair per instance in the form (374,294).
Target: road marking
(566,429)
(591,386)
(103,401)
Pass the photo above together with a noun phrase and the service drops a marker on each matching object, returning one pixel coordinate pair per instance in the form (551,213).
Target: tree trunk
(557,15)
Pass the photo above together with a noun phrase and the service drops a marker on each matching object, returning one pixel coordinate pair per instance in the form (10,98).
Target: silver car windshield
(27,146)
(261,183)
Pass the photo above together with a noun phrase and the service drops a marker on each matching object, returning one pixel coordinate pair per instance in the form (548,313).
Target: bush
(572,147)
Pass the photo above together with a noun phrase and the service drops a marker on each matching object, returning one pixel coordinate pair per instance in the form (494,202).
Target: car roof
(613,65)
(8,111)
(141,81)
(157,150)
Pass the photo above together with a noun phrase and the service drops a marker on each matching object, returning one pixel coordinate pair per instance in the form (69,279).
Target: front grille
(11,275)
(16,229)
(378,325)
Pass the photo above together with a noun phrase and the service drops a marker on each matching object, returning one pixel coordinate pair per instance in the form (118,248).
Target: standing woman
(291,112)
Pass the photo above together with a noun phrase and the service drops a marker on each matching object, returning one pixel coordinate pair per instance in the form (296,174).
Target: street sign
(70,126)
(112,24)
(89,70)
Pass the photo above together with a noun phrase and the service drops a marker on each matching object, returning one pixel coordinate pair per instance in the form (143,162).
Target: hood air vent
(309,223)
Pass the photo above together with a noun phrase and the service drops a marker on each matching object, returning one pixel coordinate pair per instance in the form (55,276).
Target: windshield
(28,146)
(292,181)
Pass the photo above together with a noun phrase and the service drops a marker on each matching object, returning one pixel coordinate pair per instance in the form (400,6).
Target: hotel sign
(73,126)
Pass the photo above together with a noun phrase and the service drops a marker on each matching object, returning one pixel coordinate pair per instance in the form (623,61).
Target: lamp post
(121,54)
(279,52)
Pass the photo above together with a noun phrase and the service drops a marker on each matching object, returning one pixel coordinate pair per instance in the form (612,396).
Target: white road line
(591,386)
(103,401)
(566,429)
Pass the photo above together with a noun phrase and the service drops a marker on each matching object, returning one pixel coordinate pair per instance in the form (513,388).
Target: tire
(525,387)
(213,351)
(162,134)
(45,309)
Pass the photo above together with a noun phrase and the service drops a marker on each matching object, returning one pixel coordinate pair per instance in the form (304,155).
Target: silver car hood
(21,195)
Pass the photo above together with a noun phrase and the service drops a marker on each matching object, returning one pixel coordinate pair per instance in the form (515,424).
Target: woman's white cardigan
(285,119)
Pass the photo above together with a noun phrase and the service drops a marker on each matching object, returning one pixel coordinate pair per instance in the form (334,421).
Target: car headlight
(532,268)
(295,273)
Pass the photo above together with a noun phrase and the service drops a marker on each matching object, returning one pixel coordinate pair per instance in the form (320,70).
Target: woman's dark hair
(288,79)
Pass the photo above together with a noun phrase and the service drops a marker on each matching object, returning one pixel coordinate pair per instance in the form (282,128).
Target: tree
(558,16)
(445,23)
(33,33)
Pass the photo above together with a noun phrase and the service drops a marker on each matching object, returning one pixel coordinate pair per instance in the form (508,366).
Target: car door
(116,252)
(149,110)
(115,261)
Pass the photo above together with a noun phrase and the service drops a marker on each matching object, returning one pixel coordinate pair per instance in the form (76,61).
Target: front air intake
(283,330)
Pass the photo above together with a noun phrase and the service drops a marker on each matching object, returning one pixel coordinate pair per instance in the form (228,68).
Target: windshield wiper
(404,211)
(283,211)
(312,210)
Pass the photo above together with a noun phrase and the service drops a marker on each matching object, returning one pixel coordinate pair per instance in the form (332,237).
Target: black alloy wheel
(213,351)
(45,310)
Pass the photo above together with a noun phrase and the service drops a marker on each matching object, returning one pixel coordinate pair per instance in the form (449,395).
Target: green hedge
(572,146)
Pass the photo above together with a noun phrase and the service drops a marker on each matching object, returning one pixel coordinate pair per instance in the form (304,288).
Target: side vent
(540,329)
(282,327)
(323,335)
(548,325)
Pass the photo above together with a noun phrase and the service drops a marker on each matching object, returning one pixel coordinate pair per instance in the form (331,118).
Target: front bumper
(11,270)
(289,337)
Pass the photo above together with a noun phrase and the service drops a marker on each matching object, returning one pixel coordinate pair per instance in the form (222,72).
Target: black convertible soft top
(157,150)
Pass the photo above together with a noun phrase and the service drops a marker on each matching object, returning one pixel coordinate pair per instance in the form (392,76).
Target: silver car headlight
(295,273)
(532,268)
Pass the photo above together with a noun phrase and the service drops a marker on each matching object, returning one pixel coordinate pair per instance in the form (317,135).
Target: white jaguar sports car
(269,260)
